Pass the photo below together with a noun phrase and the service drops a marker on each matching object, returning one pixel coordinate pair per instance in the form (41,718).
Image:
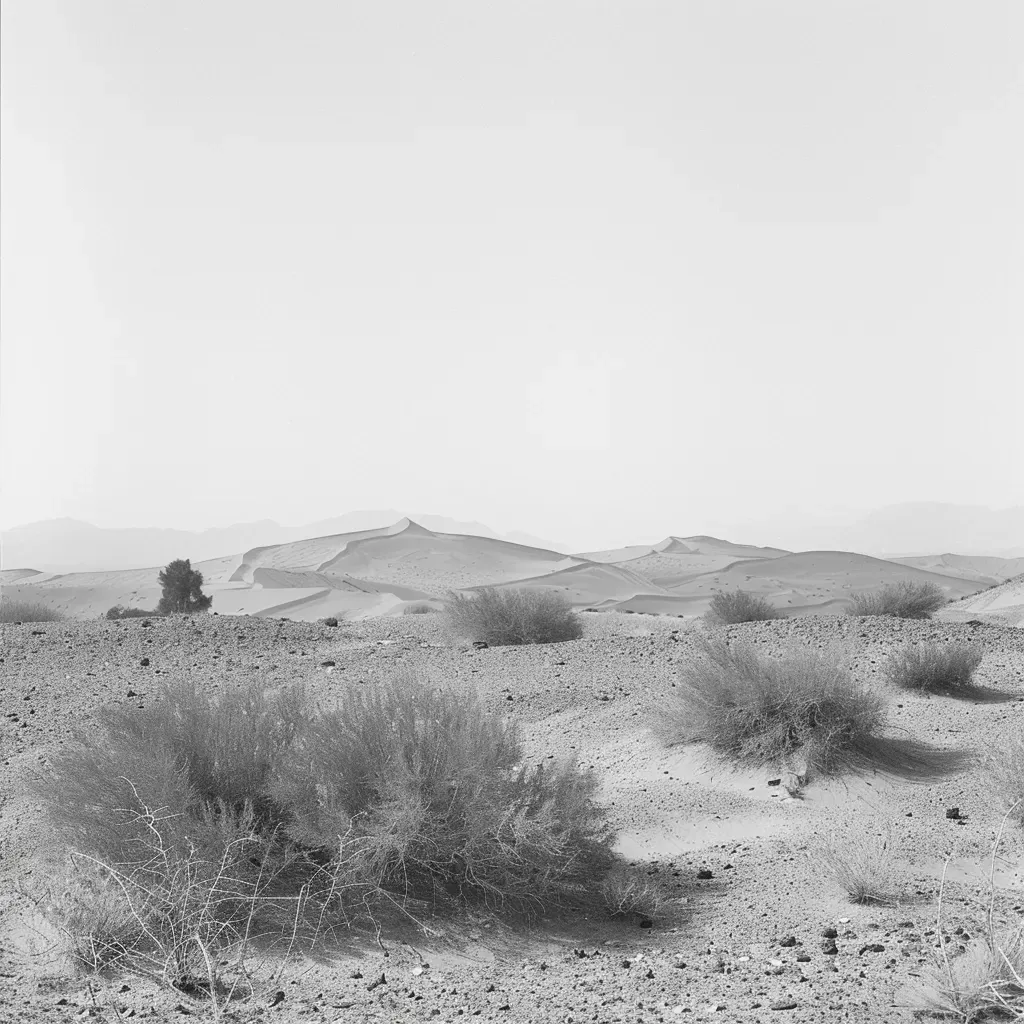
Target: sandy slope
(1003,605)
(723,950)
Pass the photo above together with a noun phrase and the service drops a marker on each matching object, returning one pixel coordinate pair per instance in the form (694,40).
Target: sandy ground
(743,937)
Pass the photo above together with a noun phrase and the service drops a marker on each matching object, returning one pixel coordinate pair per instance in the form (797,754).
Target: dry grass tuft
(740,606)
(864,868)
(771,711)
(630,890)
(514,616)
(28,611)
(903,600)
(1007,771)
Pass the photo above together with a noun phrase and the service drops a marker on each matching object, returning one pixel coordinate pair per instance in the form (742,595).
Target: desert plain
(756,926)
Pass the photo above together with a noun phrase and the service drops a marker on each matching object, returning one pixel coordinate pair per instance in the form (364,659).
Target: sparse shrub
(182,589)
(740,606)
(902,600)
(329,621)
(770,711)
(514,615)
(933,667)
(864,868)
(27,611)
(120,612)
(419,609)
(630,890)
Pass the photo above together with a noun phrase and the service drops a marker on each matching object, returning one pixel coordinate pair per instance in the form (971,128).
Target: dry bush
(759,710)
(933,667)
(631,891)
(121,612)
(903,600)
(420,795)
(513,616)
(740,606)
(201,819)
(1007,770)
(28,611)
(864,868)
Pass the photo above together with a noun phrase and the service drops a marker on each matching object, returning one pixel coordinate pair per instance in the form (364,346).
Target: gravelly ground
(717,954)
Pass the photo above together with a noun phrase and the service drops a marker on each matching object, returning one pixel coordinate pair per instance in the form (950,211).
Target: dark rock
(803,958)
(646,923)
(829,947)
(830,933)
(329,663)
(331,621)
(143,662)
(146,624)
(872,947)
(480,645)
(277,998)
(785,1004)
(704,874)
(953,813)
(376,983)
(788,941)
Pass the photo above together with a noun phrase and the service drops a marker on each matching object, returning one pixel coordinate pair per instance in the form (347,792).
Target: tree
(182,589)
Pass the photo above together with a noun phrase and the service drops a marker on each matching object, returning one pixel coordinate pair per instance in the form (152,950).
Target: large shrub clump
(201,819)
(740,606)
(513,615)
(903,600)
(933,667)
(759,710)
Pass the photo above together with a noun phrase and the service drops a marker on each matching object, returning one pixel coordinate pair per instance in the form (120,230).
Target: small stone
(830,933)
(789,940)
(704,874)
(143,662)
(872,947)
(953,813)
(829,947)
(785,1004)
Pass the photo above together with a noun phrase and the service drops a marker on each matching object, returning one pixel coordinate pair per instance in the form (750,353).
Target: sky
(597,271)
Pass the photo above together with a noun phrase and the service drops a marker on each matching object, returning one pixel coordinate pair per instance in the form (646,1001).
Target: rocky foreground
(758,928)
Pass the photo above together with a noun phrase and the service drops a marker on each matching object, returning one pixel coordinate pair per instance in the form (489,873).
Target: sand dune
(382,571)
(594,585)
(980,568)
(814,580)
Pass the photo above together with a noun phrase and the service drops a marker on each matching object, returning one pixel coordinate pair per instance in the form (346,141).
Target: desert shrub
(740,606)
(432,801)
(27,611)
(903,600)
(933,667)
(419,609)
(1008,777)
(513,615)
(182,589)
(121,612)
(804,707)
(201,818)
(864,868)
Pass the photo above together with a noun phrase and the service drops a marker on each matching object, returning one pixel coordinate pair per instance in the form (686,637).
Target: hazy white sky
(610,270)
